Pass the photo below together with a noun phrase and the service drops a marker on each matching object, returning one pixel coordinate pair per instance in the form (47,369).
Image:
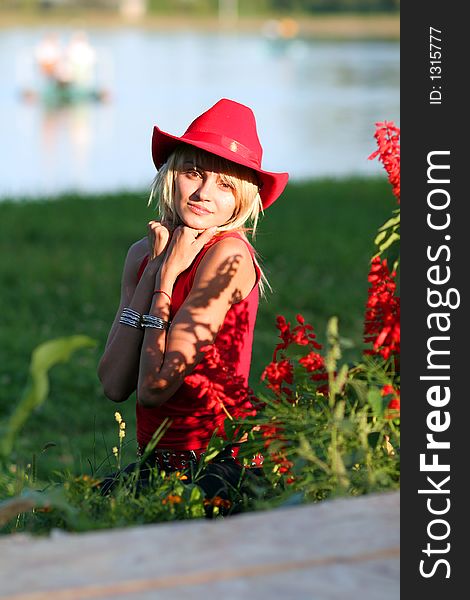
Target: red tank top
(218,384)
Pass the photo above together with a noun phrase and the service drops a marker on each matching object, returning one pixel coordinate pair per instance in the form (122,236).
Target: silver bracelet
(155,322)
(131,318)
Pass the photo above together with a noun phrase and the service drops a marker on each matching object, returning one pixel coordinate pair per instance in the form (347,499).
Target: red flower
(285,465)
(271,433)
(257,460)
(388,141)
(312,361)
(280,370)
(284,334)
(277,373)
(302,334)
(382,319)
(315,363)
(393,407)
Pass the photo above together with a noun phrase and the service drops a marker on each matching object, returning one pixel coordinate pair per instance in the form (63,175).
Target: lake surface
(316,105)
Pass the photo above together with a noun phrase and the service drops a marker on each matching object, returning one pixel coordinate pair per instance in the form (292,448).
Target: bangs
(228,170)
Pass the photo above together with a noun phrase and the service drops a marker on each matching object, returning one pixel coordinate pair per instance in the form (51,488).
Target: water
(316,105)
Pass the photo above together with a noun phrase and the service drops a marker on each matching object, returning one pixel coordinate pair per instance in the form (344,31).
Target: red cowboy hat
(227,129)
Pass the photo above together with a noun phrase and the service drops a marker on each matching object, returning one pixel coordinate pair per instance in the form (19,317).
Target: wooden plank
(326,551)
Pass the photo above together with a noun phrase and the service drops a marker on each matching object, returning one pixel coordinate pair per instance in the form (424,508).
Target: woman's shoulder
(228,253)
(138,250)
(226,245)
(137,255)
(227,241)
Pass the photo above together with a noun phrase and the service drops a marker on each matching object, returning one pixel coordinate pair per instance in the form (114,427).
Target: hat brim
(272,184)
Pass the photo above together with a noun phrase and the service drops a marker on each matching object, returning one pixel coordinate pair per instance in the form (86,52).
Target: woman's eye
(193,173)
(224,185)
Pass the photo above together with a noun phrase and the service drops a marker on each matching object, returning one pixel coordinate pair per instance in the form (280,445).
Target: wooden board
(333,550)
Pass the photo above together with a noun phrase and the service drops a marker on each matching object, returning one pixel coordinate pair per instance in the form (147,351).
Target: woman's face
(202,197)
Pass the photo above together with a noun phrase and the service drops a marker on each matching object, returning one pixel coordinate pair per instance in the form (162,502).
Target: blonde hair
(243,181)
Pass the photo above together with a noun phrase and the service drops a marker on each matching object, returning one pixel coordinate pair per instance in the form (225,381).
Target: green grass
(60,274)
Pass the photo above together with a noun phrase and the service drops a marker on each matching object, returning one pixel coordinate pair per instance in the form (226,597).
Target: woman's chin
(197,222)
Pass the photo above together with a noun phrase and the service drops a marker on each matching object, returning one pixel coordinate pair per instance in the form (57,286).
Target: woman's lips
(199,210)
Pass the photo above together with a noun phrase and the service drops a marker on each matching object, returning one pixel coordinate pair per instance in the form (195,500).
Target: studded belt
(168,459)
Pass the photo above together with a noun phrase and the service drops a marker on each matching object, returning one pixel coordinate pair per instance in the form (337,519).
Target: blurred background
(83,83)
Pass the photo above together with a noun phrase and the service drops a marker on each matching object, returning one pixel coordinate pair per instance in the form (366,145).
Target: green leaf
(334,350)
(341,378)
(156,437)
(391,239)
(382,235)
(392,222)
(44,357)
(216,443)
(196,494)
(396,264)
(32,499)
(359,387)
(375,400)
(212,452)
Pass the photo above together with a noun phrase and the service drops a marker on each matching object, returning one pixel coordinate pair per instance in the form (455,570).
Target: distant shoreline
(325,27)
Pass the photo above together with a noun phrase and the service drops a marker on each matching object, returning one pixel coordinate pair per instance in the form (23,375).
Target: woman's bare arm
(119,366)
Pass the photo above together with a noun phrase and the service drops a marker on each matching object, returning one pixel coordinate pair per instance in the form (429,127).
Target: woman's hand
(185,245)
(158,237)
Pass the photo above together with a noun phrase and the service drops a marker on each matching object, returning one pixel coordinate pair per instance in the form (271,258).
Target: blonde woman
(182,337)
